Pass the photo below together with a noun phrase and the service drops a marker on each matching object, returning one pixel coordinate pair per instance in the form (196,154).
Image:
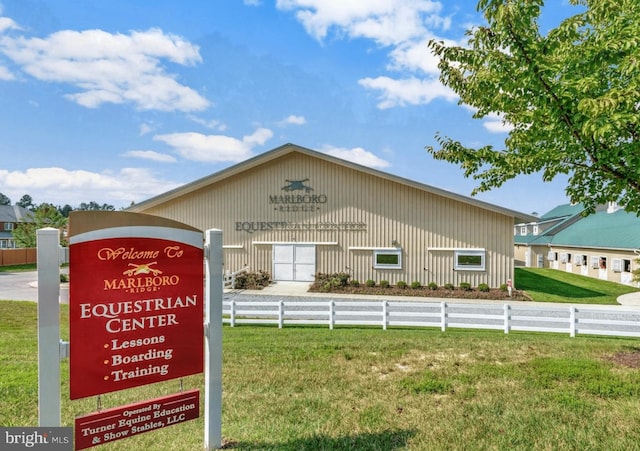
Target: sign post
(213,341)
(48,243)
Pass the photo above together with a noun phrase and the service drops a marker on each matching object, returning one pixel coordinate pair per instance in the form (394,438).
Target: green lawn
(551,285)
(18,268)
(311,388)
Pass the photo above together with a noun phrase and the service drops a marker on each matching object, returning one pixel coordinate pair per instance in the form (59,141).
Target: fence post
(332,313)
(507,318)
(232,314)
(385,314)
(572,321)
(280,314)
(443,316)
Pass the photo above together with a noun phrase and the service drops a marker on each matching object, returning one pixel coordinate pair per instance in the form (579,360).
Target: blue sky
(116,101)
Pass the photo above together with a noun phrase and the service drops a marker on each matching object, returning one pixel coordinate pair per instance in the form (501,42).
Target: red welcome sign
(126,421)
(135,301)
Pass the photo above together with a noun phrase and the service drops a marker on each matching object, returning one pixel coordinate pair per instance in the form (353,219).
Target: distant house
(603,245)
(10,217)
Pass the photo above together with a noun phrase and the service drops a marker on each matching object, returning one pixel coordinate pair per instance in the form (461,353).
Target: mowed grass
(309,388)
(552,285)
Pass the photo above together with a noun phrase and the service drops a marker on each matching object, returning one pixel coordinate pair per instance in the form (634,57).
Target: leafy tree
(26,202)
(571,96)
(4,200)
(45,215)
(64,211)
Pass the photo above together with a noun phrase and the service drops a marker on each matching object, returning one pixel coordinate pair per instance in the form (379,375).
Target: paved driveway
(23,286)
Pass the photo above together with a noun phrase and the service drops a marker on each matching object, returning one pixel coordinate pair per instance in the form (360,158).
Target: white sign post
(213,341)
(49,345)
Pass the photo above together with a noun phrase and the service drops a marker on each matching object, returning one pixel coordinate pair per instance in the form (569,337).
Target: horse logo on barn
(297,185)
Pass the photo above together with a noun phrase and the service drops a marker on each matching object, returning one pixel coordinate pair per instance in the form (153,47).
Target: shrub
(503,287)
(416,285)
(253,280)
(370,283)
(384,283)
(466,286)
(483,287)
(338,279)
(64,278)
(354,283)
(433,286)
(448,286)
(402,284)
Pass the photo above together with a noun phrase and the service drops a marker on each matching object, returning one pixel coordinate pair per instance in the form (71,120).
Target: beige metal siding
(419,220)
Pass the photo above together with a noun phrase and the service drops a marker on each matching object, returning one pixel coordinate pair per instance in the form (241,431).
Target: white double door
(294,262)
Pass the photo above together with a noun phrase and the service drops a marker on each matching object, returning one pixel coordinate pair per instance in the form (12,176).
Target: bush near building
(340,283)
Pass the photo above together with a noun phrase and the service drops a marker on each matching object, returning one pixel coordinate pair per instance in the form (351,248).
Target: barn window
(387,259)
(469,260)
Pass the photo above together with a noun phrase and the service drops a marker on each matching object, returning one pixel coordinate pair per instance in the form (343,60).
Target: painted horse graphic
(297,185)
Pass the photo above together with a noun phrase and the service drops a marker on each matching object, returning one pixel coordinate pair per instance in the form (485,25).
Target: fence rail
(533,318)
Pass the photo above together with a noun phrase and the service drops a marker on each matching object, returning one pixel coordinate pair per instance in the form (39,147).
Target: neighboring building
(10,217)
(603,245)
(295,212)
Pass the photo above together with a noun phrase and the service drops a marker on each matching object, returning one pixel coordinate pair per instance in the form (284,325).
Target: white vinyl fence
(535,318)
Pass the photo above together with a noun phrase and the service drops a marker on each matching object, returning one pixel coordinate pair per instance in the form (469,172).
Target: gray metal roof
(14,213)
(289,148)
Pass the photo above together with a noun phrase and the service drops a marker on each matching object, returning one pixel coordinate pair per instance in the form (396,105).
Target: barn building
(294,212)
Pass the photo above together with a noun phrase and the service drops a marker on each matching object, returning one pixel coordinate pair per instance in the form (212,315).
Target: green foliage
(448,286)
(4,200)
(433,286)
(46,215)
(253,280)
(354,283)
(401,284)
(570,96)
(504,287)
(370,283)
(483,287)
(336,279)
(466,286)
(415,285)
(26,201)
(384,284)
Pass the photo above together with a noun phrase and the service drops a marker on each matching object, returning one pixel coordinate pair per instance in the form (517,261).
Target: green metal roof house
(604,245)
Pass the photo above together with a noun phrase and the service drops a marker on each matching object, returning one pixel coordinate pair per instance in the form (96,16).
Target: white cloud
(5,74)
(403,25)
(495,123)
(212,123)
(111,68)
(357,155)
(7,24)
(61,186)
(410,91)
(384,21)
(215,148)
(292,120)
(145,129)
(150,155)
